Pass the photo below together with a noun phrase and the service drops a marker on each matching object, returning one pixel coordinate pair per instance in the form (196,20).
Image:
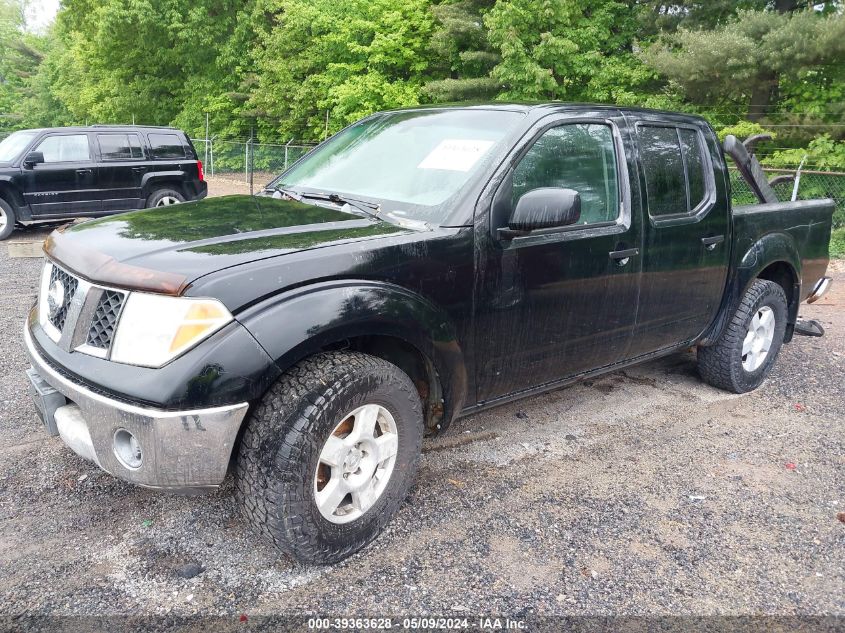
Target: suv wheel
(743,356)
(164,198)
(329,454)
(7,219)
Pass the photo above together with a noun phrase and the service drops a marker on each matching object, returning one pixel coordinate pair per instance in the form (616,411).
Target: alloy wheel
(758,340)
(356,463)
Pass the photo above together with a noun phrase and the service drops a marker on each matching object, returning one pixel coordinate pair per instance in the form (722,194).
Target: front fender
(752,258)
(301,322)
(8,186)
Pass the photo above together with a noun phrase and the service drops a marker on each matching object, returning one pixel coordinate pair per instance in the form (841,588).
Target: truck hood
(167,248)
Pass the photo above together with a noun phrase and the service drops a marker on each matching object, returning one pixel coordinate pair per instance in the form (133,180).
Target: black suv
(63,173)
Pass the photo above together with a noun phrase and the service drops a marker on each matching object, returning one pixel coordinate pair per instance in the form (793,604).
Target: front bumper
(179,450)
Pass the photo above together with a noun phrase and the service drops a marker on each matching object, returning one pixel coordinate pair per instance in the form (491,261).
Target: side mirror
(32,159)
(545,208)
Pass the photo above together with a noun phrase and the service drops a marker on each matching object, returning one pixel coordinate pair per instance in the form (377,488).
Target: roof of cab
(549,106)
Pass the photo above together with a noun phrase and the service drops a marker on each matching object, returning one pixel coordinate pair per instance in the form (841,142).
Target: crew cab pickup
(71,172)
(419,265)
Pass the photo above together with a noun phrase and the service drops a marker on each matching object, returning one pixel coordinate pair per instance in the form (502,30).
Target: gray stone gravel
(641,492)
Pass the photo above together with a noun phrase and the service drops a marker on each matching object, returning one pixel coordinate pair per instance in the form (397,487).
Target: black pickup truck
(69,172)
(418,266)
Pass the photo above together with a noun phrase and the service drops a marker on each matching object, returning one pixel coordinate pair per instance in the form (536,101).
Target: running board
(809,327)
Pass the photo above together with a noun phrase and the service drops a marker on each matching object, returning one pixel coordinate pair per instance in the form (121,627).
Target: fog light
(127,449)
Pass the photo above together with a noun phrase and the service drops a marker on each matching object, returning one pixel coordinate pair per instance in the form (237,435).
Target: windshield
(411,162)
(13,145)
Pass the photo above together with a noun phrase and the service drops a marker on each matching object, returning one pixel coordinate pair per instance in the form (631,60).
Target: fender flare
(304,321)
(773,248)
(150,179)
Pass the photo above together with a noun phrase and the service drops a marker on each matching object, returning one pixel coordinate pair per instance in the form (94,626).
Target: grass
(837,243)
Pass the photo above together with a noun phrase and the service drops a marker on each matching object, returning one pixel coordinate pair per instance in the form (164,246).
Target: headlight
(155,329)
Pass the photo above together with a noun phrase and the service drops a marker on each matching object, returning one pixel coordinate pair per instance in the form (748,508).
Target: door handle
(710,243)
(82,172)
(139,169)
(629,252)
(622,257)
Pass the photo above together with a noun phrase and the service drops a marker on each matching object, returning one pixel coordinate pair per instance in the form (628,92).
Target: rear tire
(744,354)
(164,198)
(7,219)
(305,480)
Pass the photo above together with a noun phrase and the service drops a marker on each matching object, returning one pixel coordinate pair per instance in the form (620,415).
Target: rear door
(65,184)
(121,165)
(687,233)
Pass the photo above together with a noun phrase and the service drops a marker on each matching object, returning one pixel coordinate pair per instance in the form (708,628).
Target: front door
(65,183)
(560,302)
(687,234)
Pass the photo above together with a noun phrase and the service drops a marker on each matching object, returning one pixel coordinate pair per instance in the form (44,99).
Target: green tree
(747,62)
(571,50)
(463,55)
(320,60)
(119,60)
(22,54)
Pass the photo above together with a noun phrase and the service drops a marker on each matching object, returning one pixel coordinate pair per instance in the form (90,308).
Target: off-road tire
(721,365)
(9,212)
(280,447)
(159,194)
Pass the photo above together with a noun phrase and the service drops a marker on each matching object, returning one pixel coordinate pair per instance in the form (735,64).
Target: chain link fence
(813,184)
(248,161)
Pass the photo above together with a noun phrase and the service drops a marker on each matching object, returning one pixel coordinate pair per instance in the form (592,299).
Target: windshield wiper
(290,193)
(367,208)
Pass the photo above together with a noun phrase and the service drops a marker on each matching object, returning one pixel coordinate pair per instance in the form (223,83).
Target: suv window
(119,146)
(67,148)
(579,156)
(166,146)
(674,166)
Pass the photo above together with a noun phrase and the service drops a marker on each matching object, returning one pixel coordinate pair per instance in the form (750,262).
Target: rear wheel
(7,219)
(164,198)
(329,455)
(746,351)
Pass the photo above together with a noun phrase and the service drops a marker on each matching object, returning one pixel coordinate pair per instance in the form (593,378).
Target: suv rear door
(561,301)
(121,164)
(687,232)
(65,184)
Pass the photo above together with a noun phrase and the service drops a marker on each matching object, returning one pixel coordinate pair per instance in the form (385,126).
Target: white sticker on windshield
(455,154)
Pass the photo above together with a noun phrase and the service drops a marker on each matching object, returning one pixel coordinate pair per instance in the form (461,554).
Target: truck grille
(105,319)
(86,319)
(69,285)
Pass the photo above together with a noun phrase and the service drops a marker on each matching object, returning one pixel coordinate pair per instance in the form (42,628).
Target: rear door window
(166,146)
(676,169)
(64,149)
(119,146)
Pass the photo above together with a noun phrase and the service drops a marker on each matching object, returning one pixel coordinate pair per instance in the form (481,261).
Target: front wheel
(7,219)
(744,354)
(329,455)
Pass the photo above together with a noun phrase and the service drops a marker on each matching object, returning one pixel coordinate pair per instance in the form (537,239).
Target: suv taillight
(199,168)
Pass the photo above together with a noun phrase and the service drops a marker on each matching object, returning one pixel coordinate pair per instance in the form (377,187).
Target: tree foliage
(749,61)
(305,68)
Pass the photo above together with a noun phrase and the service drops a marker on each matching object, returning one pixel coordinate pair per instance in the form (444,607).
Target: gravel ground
(641,492)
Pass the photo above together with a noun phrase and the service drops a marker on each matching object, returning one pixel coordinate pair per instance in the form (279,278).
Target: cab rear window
(166,146)
(676,169)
